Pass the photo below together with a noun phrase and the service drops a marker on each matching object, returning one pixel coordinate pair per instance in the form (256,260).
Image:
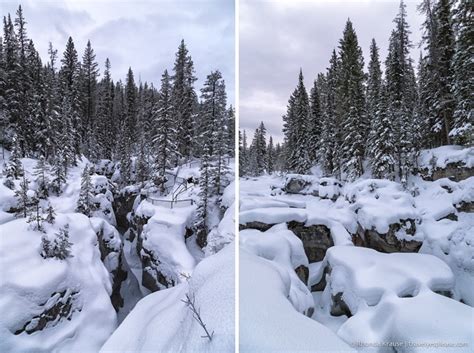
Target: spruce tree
(183,97)
(23,199)
(374,83)
(315,123)
(85,204)
(50,214)
(202,214)
(42,180)
(350,91)
(463,125)
(165,138)
(270,156)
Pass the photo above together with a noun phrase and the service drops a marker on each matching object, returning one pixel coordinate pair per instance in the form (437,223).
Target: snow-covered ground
(67,305)
(414,287)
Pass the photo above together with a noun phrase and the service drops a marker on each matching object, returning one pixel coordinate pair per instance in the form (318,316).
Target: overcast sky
(143,34)
(278,37)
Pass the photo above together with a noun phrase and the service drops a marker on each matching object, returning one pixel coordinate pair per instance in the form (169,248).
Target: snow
(161,322)
(365,276)
(425,323)
(273,215)
(269,321)
(442,156)
(29,282)
(380,203)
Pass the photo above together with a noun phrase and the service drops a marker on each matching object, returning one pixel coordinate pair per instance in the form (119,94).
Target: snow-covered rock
(301,184)
(358,277)
(50,304)
(453,162)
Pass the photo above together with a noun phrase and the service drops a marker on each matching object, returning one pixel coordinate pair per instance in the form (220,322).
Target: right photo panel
(356,162)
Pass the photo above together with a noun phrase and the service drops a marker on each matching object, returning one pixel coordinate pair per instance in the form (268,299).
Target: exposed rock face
(111,255)
(61,305)
(338,306)
(464,206)
(453,171)
(123,204)
(388,242)
(303,273)
(295,185)
(316,239)
(263,227)
(319,287)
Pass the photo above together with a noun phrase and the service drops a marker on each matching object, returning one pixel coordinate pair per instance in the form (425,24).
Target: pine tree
(59,248)
(23,199)
(230,129)
(243,154)
(70,90)
(85,204)
(105,124)
(202,214)
(374,83)
(61,244)
(315,123)
(296,129)
(183,97)
(270,156)
(59,173)
(350,91)
(50,214)
(89,74)
(36,218)
(165,138)
(463,126)
(42,181)
(14,168)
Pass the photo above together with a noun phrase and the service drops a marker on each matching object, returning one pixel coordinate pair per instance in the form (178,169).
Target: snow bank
(442,156)
(268,320)
(161,322)
(273,215)
(380,203)
(32,285)
(428,322)
(364,276)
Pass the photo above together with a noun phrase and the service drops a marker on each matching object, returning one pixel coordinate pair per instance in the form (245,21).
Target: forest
(385,115)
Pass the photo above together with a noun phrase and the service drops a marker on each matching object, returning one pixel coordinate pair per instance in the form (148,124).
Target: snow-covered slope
(162,322)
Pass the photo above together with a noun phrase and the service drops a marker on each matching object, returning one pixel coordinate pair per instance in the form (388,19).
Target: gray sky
(143,34)
(277,37)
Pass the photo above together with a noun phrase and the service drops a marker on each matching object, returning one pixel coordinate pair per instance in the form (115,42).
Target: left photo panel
(117,135)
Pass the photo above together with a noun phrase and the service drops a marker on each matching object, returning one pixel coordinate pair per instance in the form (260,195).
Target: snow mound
(428,322)
(380,203)
(270,322)
(273,215)
(364,276)
(64,304)
(161,322)
(442,156)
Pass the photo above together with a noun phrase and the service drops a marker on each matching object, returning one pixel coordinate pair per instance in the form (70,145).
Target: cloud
(279,37)
(141,34)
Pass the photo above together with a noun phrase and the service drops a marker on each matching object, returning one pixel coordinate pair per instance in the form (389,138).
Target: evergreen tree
(14,168)
(315,123)
(463,68)
(22,198)
(350,91)
(59,173)
(183,97)
(89,74)
(42,181)
(36,218)
(165,139)
(374,83)
(270,156)
(59,248)
(296,129)
(202,214)
(50,214)
(105,128)
(85,204)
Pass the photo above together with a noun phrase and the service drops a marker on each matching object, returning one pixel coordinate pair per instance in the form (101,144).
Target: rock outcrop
(316,239)
(388,242)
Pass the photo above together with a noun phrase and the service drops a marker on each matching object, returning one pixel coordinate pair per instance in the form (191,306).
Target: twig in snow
(191,304)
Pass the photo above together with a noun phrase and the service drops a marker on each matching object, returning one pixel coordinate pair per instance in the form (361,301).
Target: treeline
(60,110)
(350,116)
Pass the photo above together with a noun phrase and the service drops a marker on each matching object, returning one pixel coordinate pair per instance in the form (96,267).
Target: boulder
(303,273)
(388,242)
(316,239)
